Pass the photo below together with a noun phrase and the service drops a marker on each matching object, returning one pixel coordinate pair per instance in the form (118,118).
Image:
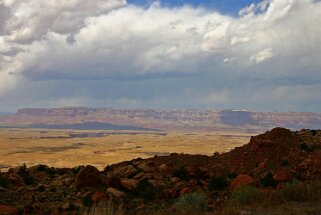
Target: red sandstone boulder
(242,180)
(97,196)
(193,170)
(283,175)
(129,184)
(311,165)
(126,171)
(281,134)
(115,193)
(88,177)
(166,169)
(170,193)
(7,209)
(185,190)
(15,179)
(262,166)
(112,181)
(305,164)
(146,166)
(274,137)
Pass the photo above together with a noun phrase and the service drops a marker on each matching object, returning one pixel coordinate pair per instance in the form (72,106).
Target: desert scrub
(50,171)
(288,208)
(218,183)
(246,195)
(87,201)
(268,180)
(24,173)
(77,169)
(182,174)
(307,147)
(192,203)
(106,209)
(4,181)
(145,190)
(301,191)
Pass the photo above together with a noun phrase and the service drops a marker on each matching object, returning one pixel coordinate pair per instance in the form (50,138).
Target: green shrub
(246,195)
(301,191)
(73,207)
(268,180)
(284,163)
(182,174)
(307,148)
(77,169)
(218,183)
(24,173)
(50,171)
(87,201)
(231,175)
(4,181)
(313,132)
(145,190)
(108,168)
(62,171)
(41,168)
(191,202)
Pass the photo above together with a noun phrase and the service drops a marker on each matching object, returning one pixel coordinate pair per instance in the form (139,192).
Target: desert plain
(70,148)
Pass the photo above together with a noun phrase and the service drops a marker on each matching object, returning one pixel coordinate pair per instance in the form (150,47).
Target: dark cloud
(107,53)
(4,14)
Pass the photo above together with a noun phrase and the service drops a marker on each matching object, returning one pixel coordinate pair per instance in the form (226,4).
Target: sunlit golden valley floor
(69,148)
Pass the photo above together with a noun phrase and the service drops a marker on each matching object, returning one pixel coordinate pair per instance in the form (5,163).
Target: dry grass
(55,148)
(102,210)
(289,208)
(296,198)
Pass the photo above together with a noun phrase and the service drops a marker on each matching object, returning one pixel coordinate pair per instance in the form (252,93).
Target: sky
(212,54)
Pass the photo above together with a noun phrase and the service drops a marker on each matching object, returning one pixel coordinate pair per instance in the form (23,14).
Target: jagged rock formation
(270,159)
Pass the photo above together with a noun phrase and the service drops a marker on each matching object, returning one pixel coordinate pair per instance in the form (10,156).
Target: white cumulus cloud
(262,55)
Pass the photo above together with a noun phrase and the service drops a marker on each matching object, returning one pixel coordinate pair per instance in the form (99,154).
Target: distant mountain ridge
(168,120)
(84,126)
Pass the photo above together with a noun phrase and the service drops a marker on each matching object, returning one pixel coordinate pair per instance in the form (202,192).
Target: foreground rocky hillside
(169,120)
(269,162)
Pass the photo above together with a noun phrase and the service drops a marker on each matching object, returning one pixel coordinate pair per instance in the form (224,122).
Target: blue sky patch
(224,6)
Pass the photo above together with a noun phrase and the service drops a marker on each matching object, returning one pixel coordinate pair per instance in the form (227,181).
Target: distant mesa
(238,117)
(187,120)
(92,126)
(84,126)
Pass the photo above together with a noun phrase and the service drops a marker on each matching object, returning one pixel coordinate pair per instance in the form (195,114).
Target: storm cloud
(110,53)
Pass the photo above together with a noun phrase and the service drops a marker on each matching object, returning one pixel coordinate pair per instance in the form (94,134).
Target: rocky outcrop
(97,196)
(129,184)
(283,175)
(271,138)
(88,177)
(242,180)
(115,193)
(126,171)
